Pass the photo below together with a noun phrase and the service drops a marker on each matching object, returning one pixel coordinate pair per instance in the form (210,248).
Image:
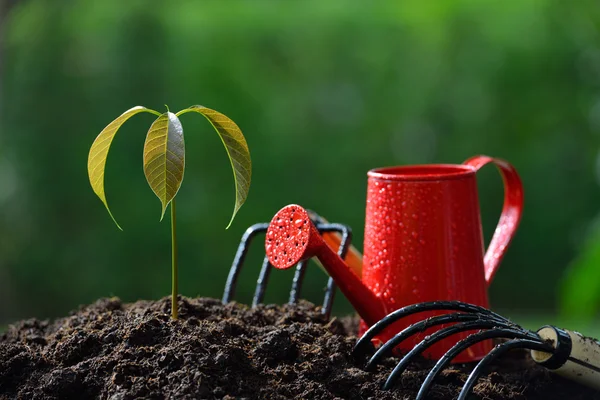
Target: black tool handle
(576,357)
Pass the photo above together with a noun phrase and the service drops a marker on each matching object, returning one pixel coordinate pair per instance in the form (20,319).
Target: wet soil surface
(111,350)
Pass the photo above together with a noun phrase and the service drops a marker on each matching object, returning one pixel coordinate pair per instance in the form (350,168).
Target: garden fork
(337,236)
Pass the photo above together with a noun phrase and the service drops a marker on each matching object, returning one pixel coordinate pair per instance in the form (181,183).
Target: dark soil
(111,350)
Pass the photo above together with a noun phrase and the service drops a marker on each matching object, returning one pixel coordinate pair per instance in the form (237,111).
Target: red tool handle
(511,212)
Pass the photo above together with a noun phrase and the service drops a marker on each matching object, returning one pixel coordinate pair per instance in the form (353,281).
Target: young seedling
(164,164)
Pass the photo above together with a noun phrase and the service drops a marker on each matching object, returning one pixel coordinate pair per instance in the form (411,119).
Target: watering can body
(423,242)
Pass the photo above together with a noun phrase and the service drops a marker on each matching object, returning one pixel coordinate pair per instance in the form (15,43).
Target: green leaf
(237,150)
(164,158)
(99,152)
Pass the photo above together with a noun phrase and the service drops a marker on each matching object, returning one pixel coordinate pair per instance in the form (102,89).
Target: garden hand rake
(564,352)
(337,236)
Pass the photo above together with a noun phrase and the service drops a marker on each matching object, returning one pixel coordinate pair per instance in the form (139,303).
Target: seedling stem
(174,290)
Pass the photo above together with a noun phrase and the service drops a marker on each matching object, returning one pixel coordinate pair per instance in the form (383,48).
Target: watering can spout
(292,237)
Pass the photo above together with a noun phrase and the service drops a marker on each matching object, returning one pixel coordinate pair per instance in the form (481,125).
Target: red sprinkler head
(292,237)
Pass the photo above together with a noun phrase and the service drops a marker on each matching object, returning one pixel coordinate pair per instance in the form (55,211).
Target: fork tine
(300,273)
(261,283)
(329,297)
(297,282)
(497,352)
(238,261)
(342,251)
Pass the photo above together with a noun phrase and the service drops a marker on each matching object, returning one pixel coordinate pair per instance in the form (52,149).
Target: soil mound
(110,350)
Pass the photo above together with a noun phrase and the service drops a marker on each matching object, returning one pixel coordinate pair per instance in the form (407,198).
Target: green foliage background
(324,91)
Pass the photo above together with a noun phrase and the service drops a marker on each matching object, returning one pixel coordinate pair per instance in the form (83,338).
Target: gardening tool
(423,242)
(564,352)
(337,236)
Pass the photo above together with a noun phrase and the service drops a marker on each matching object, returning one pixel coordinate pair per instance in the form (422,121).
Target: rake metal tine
(420,327)
(440,335)
(374,330)
(238,261)
(328,299)
(342,251)
(301,267)
(297,282)
(261,283)
(497,352)
(459,347)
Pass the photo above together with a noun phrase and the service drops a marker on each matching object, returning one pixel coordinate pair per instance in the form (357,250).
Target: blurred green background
(324,91)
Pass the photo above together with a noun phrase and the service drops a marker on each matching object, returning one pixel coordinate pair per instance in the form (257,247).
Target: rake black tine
(420,327)
(458,348)
(496,352)
(374,330)
(301,267)
(261,283)
(440,335)
(342,251)
(328,299)
(238,261)
(297,282)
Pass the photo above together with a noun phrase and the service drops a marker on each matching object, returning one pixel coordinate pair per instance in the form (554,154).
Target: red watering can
(423,242)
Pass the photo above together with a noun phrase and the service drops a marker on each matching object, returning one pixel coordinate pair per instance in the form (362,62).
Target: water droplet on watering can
(299,223)
(270,235)
(415,234)
(415,292)
(415,216)
(269,247)
(402,259)
(415,278)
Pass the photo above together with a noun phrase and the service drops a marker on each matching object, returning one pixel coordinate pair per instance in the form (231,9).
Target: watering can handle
(511,212)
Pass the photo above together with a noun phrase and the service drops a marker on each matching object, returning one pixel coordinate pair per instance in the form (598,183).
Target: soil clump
(111,350)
